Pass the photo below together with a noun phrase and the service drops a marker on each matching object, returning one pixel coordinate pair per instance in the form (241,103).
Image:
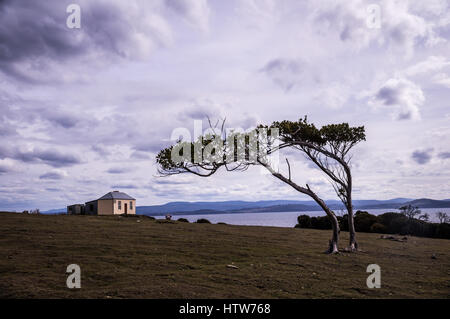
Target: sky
(85,110)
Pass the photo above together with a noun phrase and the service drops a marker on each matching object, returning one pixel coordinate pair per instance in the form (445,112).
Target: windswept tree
(410,211)
(329,149)
(443,217)
(238,151)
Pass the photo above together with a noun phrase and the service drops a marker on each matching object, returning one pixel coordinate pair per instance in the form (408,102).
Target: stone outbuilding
(113,203)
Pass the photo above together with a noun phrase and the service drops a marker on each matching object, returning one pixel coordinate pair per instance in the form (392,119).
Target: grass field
(142,258)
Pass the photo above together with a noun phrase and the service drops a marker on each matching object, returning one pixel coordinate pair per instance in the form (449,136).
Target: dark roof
(116,195)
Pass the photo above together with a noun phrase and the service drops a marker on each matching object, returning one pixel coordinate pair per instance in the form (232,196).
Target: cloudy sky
(84,111)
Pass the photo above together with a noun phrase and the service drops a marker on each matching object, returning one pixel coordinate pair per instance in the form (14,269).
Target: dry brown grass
(123,258)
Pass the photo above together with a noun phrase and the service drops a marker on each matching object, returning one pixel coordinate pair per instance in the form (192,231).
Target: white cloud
(400,27)
(431,64)
(401,97)
(442,79)
(195,12)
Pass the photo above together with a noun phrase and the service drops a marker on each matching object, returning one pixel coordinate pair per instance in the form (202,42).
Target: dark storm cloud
(48,156)
(34,35)
(422,157)
(34,31)
(101,150)
(388,95)
(285,73)
(119,170)
(51,157)
(4,169)
(139,155)
(165,181)
(52,175)
(152,146)
(125,186)
(65,120)
(444,155)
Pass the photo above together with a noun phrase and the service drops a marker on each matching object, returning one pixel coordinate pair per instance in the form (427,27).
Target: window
(131,205)
(120,205)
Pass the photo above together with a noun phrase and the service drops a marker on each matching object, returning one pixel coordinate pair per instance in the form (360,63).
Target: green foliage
(304,221)
(319,222)
(203,221)
(410,211)
(183,220)
(378,228)
(343,222)
(387,223)
(363,221)
(339,136)
(343,133)
(443,231)
(300,130)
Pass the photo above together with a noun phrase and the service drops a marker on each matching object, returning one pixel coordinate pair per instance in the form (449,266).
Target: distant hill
(180,208)
(429,203)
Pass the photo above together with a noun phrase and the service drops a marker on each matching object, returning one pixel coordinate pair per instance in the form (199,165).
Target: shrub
(378,228)
(183,220)
(304,221)
(443,230)
(203,221)
(363,221)
(390,223)
(393,221)
(321,222)
(221,223)
(165,221)
(343,222)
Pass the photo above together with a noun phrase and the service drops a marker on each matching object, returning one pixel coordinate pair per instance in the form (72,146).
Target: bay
(283,219)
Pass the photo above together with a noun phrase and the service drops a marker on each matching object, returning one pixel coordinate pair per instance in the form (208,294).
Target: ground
(137,257)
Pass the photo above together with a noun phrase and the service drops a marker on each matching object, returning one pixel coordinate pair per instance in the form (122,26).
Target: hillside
(198,208)
(137,257)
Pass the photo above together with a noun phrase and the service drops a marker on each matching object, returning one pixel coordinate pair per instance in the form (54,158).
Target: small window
(120,205)
(131,205)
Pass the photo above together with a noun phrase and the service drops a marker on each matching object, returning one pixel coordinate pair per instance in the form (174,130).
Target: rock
(233,266)
(403,239)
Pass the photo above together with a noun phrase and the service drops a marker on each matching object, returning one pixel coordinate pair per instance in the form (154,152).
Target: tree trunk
(334,241)
(333,247)
(353,244)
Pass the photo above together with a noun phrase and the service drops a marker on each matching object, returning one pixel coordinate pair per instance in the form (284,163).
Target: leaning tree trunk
(334,241)
(353,244)
(333,244)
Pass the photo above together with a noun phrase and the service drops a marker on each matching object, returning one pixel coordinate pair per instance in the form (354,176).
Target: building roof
(116,195)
